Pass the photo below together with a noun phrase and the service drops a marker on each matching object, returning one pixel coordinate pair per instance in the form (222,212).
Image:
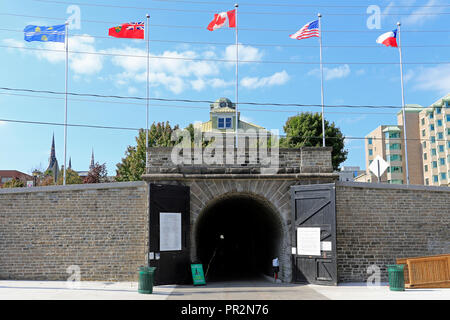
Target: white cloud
(423,14)
(332,73)
(54,52)
(435,79)
(246,53)
(278,78)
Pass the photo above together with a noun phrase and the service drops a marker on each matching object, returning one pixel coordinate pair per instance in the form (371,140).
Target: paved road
(235,290)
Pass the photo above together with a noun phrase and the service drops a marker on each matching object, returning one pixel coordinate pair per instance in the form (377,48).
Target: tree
(305,130)
(96,174)
(14,183)
(72,177)
(132,166)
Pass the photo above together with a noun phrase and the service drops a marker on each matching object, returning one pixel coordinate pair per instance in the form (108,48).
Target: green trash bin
(396,277)
(146,279)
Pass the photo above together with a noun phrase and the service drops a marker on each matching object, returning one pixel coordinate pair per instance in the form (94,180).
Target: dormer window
(224,122)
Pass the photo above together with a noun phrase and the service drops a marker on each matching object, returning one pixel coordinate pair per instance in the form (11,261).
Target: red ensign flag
(134,30)
(220,19)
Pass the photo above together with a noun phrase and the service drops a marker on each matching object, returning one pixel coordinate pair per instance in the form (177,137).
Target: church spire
(70,163)
(92,160)
(52,151)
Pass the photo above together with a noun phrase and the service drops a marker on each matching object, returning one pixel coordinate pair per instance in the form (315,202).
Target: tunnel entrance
(237,236)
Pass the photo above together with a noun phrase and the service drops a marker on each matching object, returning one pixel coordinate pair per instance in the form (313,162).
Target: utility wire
(250,44)
(203,101)
(185,106)
(294,4)
(204,28)
(137,129)
(224,60)
(104,5)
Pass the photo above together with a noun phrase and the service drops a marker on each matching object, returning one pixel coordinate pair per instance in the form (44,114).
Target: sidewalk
(232,290)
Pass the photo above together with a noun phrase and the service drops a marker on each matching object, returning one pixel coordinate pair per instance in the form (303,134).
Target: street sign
(197,274)
(378,166)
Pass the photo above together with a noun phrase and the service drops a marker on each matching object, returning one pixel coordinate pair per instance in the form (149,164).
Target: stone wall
(376,224)
(253,161)
(101,228)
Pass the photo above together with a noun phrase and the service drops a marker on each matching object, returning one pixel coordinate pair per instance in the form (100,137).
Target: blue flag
(45,34)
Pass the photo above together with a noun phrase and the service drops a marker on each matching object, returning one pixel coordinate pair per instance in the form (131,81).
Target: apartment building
(428,145)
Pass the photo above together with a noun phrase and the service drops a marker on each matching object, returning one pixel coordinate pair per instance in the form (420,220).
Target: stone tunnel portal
(237,236)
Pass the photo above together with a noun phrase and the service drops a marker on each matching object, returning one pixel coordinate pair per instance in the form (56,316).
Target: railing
(427,272)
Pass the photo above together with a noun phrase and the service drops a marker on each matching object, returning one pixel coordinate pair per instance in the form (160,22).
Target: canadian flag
(220,19)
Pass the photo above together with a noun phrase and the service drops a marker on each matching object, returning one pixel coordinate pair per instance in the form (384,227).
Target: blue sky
(360,76)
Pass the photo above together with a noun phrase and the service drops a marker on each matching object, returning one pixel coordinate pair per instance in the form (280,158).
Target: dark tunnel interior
(251,238)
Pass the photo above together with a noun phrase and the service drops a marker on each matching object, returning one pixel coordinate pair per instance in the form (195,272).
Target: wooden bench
(427,272)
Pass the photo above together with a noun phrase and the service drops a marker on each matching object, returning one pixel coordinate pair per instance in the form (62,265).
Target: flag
(389,39)
(134,30)
(220,19)
(45,34)
(307,31)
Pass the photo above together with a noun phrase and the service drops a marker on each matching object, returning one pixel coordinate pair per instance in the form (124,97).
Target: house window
(431,115)
(394,169)
(424,144)
(424,156)
(439,123)
(440,135)
(441,148)
(370,140)
(6,179)
(438,110)
(443,176)
(423,133)
(442,161)
(427,182)
(448,118)
(433,139)
(423,121)
(435,179)
(224,123)
(370,152)
(396,181)
(392,134)
(433,152)
(434,164)
(426,168)
(431,127)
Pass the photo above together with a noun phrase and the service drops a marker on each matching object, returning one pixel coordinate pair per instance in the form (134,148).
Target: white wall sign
(308,241)
(169,231)
(325,246)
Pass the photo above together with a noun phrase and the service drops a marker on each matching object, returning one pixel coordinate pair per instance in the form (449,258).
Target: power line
(137,129)
(225,60)
(221,30)
(202,101)
(250,44)
(103,5)
(184,106)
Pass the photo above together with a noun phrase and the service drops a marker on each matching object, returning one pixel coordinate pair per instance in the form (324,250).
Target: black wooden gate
(313,206)
(172,266)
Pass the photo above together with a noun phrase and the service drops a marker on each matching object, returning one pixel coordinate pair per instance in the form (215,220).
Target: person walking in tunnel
(276,268)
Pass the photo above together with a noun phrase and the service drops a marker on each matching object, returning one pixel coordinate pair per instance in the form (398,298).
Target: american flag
(309,30)
(135,26)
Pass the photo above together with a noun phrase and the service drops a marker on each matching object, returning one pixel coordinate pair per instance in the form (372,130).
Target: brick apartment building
(8,175)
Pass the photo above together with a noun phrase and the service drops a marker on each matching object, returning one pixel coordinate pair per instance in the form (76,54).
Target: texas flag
(389,39)
(220,19)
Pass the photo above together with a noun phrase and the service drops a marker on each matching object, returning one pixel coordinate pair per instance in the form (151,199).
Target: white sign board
(169,231)
(325,246)
(308,241)
(383,165)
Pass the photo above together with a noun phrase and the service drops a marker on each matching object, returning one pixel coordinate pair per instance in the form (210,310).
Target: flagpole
(65,116)
(147,27)
(321,80)
(237,77)
(403,104)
